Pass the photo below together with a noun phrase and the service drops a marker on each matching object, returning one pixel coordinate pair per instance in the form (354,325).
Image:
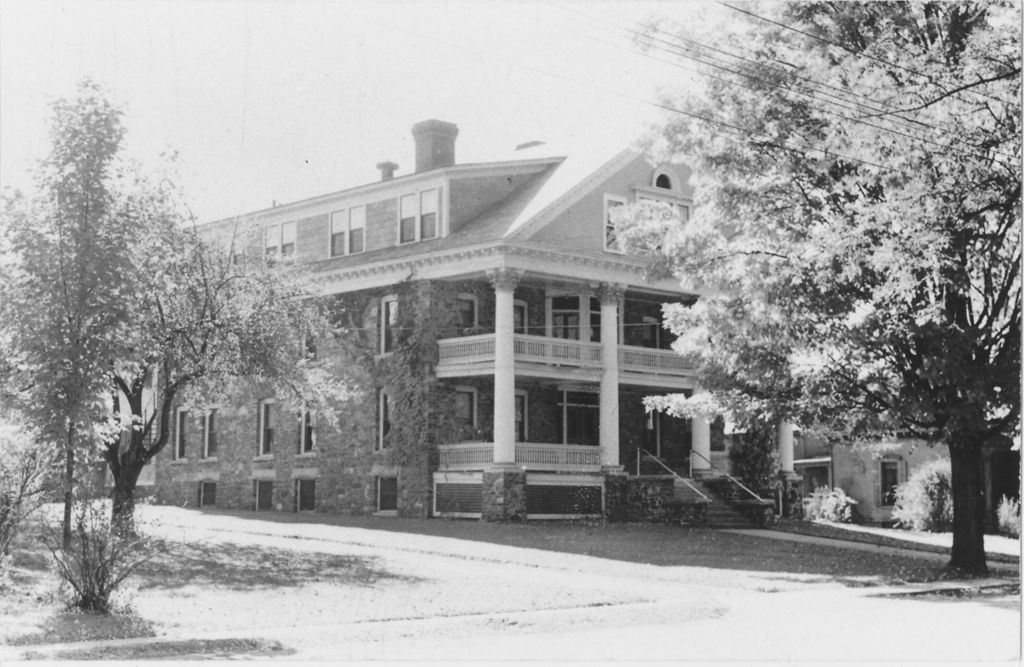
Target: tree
(857,226)
(60,299)
(169,315)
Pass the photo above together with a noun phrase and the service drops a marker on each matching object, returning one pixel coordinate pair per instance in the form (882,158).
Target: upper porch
(560,358)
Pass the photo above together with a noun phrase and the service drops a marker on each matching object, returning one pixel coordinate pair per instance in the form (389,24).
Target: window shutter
(877,477)
(298,439)
(259,433)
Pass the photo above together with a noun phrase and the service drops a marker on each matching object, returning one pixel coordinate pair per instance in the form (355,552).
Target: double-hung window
(418,217)
(383,419)
(348,228)
(266,427)
(465,304)
(181,433)
(388,323)
(209,423)
(279,240)
(611,234)
(307,431)
(465,407)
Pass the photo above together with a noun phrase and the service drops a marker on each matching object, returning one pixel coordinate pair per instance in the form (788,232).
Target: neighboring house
(870,472)
(500,339)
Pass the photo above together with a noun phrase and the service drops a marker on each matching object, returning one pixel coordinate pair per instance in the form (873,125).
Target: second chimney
(435,144)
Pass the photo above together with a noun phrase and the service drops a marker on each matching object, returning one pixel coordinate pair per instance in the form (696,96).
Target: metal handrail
(730,477)
(677,475)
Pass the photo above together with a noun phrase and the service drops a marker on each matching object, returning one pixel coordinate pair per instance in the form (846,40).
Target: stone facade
(504,495)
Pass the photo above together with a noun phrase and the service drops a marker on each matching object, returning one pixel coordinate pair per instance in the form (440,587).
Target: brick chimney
(387,170)
(435,144)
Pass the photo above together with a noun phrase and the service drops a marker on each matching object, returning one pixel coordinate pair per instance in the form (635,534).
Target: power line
(839,46)
(674,49)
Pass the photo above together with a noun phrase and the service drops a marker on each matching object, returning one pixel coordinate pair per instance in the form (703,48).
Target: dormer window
(418,216)
(663,181)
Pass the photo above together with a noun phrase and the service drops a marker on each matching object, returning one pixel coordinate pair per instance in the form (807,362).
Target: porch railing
(536,455)
(561,352)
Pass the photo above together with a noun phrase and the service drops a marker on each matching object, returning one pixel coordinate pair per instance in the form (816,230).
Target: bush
(925,500)
(1008,515)
(754,459)
(24,464)
(99,558)
(827,504)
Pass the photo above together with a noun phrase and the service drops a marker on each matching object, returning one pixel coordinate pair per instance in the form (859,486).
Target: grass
(655,544)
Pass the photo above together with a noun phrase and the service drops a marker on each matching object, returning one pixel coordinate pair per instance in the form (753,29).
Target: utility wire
(839,46)
(675,50)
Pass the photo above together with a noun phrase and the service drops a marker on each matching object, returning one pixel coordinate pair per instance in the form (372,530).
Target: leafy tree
(188,318)
(857,226)
(60,296)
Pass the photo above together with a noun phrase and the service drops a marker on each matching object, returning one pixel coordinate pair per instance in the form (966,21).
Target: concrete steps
(720,514)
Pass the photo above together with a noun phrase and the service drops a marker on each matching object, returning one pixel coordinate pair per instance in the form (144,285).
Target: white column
(610,296)
(700,444)
(504,282)
(786,446)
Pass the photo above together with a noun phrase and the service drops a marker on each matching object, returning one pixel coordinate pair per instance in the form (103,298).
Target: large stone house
(500,340)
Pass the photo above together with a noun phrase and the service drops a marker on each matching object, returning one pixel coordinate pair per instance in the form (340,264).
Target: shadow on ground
(238,567)
(662,545)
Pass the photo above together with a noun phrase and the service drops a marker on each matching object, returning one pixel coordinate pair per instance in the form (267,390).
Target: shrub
(827,504)
(925,500)
(754,459)
(1008,515)
(24,464)
(99,558)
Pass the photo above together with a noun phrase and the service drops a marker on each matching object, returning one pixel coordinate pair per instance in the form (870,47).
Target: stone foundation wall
(504,495)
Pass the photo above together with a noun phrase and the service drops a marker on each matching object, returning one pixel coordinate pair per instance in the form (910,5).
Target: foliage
(754,459)
(825,504)
(24,480)
(925,501)
(1008,516)
(856,234)
(99,559)
(170,315)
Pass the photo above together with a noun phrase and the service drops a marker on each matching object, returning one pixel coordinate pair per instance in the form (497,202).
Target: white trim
(617,200)
(675,182)
(562,479)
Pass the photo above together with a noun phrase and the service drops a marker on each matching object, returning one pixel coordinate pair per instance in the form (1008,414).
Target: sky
(275,101)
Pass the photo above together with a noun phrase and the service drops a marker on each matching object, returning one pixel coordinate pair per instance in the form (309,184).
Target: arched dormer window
(663,181)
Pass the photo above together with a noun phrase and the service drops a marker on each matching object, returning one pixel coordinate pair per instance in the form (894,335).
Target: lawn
(232,578)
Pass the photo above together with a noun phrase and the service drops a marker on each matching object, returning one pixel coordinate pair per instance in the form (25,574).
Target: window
(519,319)
(383,419)
(347,231)
(595,320)
(209,423)
(465,305)
(263,494)
(266,427)
(520,416)
(418,216)
(387,494)
(579,418)
(181,433)
(271,240)
(465,407)
(890,476)
(611,240)
(207,494)
(565,317)
(305,495)
(307,431)
(650,332)
(663,181)
(388,323)
(288,239)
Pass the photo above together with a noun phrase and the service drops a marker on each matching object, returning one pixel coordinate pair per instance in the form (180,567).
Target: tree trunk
(123,512)
(968,553)
(69,486)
